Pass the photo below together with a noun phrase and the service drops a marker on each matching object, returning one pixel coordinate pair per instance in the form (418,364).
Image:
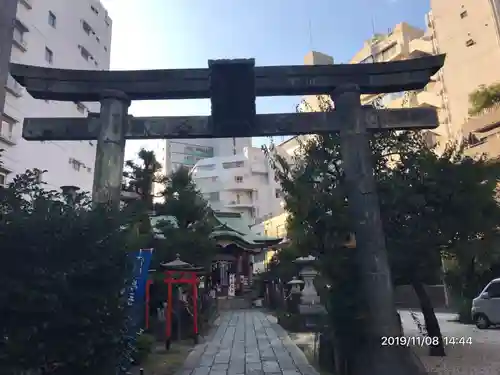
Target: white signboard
(231,291)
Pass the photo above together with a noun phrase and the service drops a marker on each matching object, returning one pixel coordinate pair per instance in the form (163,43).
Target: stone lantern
(309,300)
(69,192)
(295,285)
(295,294)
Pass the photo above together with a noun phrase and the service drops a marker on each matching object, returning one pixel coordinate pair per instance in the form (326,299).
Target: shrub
(143,348)
(63,279)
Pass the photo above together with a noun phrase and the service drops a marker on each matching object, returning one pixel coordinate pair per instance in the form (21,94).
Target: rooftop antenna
(309,28)
(372,41)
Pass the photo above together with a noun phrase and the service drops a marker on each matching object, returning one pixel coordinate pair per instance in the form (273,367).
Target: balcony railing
(6,133)
(27,3)
(13,87)
(19,41)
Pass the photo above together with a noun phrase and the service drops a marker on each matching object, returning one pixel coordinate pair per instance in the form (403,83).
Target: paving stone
(252,357)
(220,367)
(270,366)
(236,368)
(253,366)
(207,360)
(201,370)
(254,372)
(247,343)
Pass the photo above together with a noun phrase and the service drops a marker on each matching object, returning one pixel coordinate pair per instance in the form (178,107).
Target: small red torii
(176,272)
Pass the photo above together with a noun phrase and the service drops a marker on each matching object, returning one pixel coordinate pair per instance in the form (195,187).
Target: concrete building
(401,43)
(59,34)
(468,32)
(241,183)
(187,152)
(7,17)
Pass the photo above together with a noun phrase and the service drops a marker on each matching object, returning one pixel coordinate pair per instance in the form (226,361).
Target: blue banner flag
(141,261)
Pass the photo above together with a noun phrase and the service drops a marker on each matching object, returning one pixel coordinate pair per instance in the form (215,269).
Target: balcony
(243,203)
(13,87)
(7,130)
(415,99)
(18,36)
(483,133)
(27,3)
(428,99)
(389,52)
(247,184)
(420,47)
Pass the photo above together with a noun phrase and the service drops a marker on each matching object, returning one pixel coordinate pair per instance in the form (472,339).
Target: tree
(419,208)
(141,176)
(191,236)
(63,276)
(484,97)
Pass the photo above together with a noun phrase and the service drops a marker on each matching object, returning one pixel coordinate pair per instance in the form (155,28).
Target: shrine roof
(234,227)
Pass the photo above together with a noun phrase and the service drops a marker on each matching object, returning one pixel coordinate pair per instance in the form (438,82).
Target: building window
(86,28)
(367,60)
(80,107)
(470,42)
(19,35)
(214,197)
(238,179)
(94,9)
(3,179)
(85,54)
(7,129)
(233,164)
(463,14)
(208,167)
(76,164)
(49,55)
(106,48)
(52,19)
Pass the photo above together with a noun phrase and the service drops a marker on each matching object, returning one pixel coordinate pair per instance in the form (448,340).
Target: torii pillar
(110,153)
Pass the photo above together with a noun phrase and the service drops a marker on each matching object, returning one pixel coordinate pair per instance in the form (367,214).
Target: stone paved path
(249,343)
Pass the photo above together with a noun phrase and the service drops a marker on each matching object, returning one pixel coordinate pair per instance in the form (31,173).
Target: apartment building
(241,183)
(407,42)
(468,32)
(7,17)
(187,152)
(58,34)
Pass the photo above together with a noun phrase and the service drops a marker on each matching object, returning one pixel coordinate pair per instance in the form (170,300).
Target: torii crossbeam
(232,86)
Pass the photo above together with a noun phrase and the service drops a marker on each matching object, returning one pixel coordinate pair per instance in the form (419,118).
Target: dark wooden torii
(232,86)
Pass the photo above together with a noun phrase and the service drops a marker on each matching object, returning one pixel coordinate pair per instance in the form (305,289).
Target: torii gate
(232,86)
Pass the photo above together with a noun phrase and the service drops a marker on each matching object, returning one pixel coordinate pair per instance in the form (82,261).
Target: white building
(239,183)
(187,152)
(59,34)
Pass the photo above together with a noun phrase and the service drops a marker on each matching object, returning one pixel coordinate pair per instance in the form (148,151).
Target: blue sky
(165,34)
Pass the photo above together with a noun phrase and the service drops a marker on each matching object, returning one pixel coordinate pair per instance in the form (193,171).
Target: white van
(486,307)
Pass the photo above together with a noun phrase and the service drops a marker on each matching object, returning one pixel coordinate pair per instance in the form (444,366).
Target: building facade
(58,34)
(187,152)
(7,17)
(242,183)
(468,32)
(401,43)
